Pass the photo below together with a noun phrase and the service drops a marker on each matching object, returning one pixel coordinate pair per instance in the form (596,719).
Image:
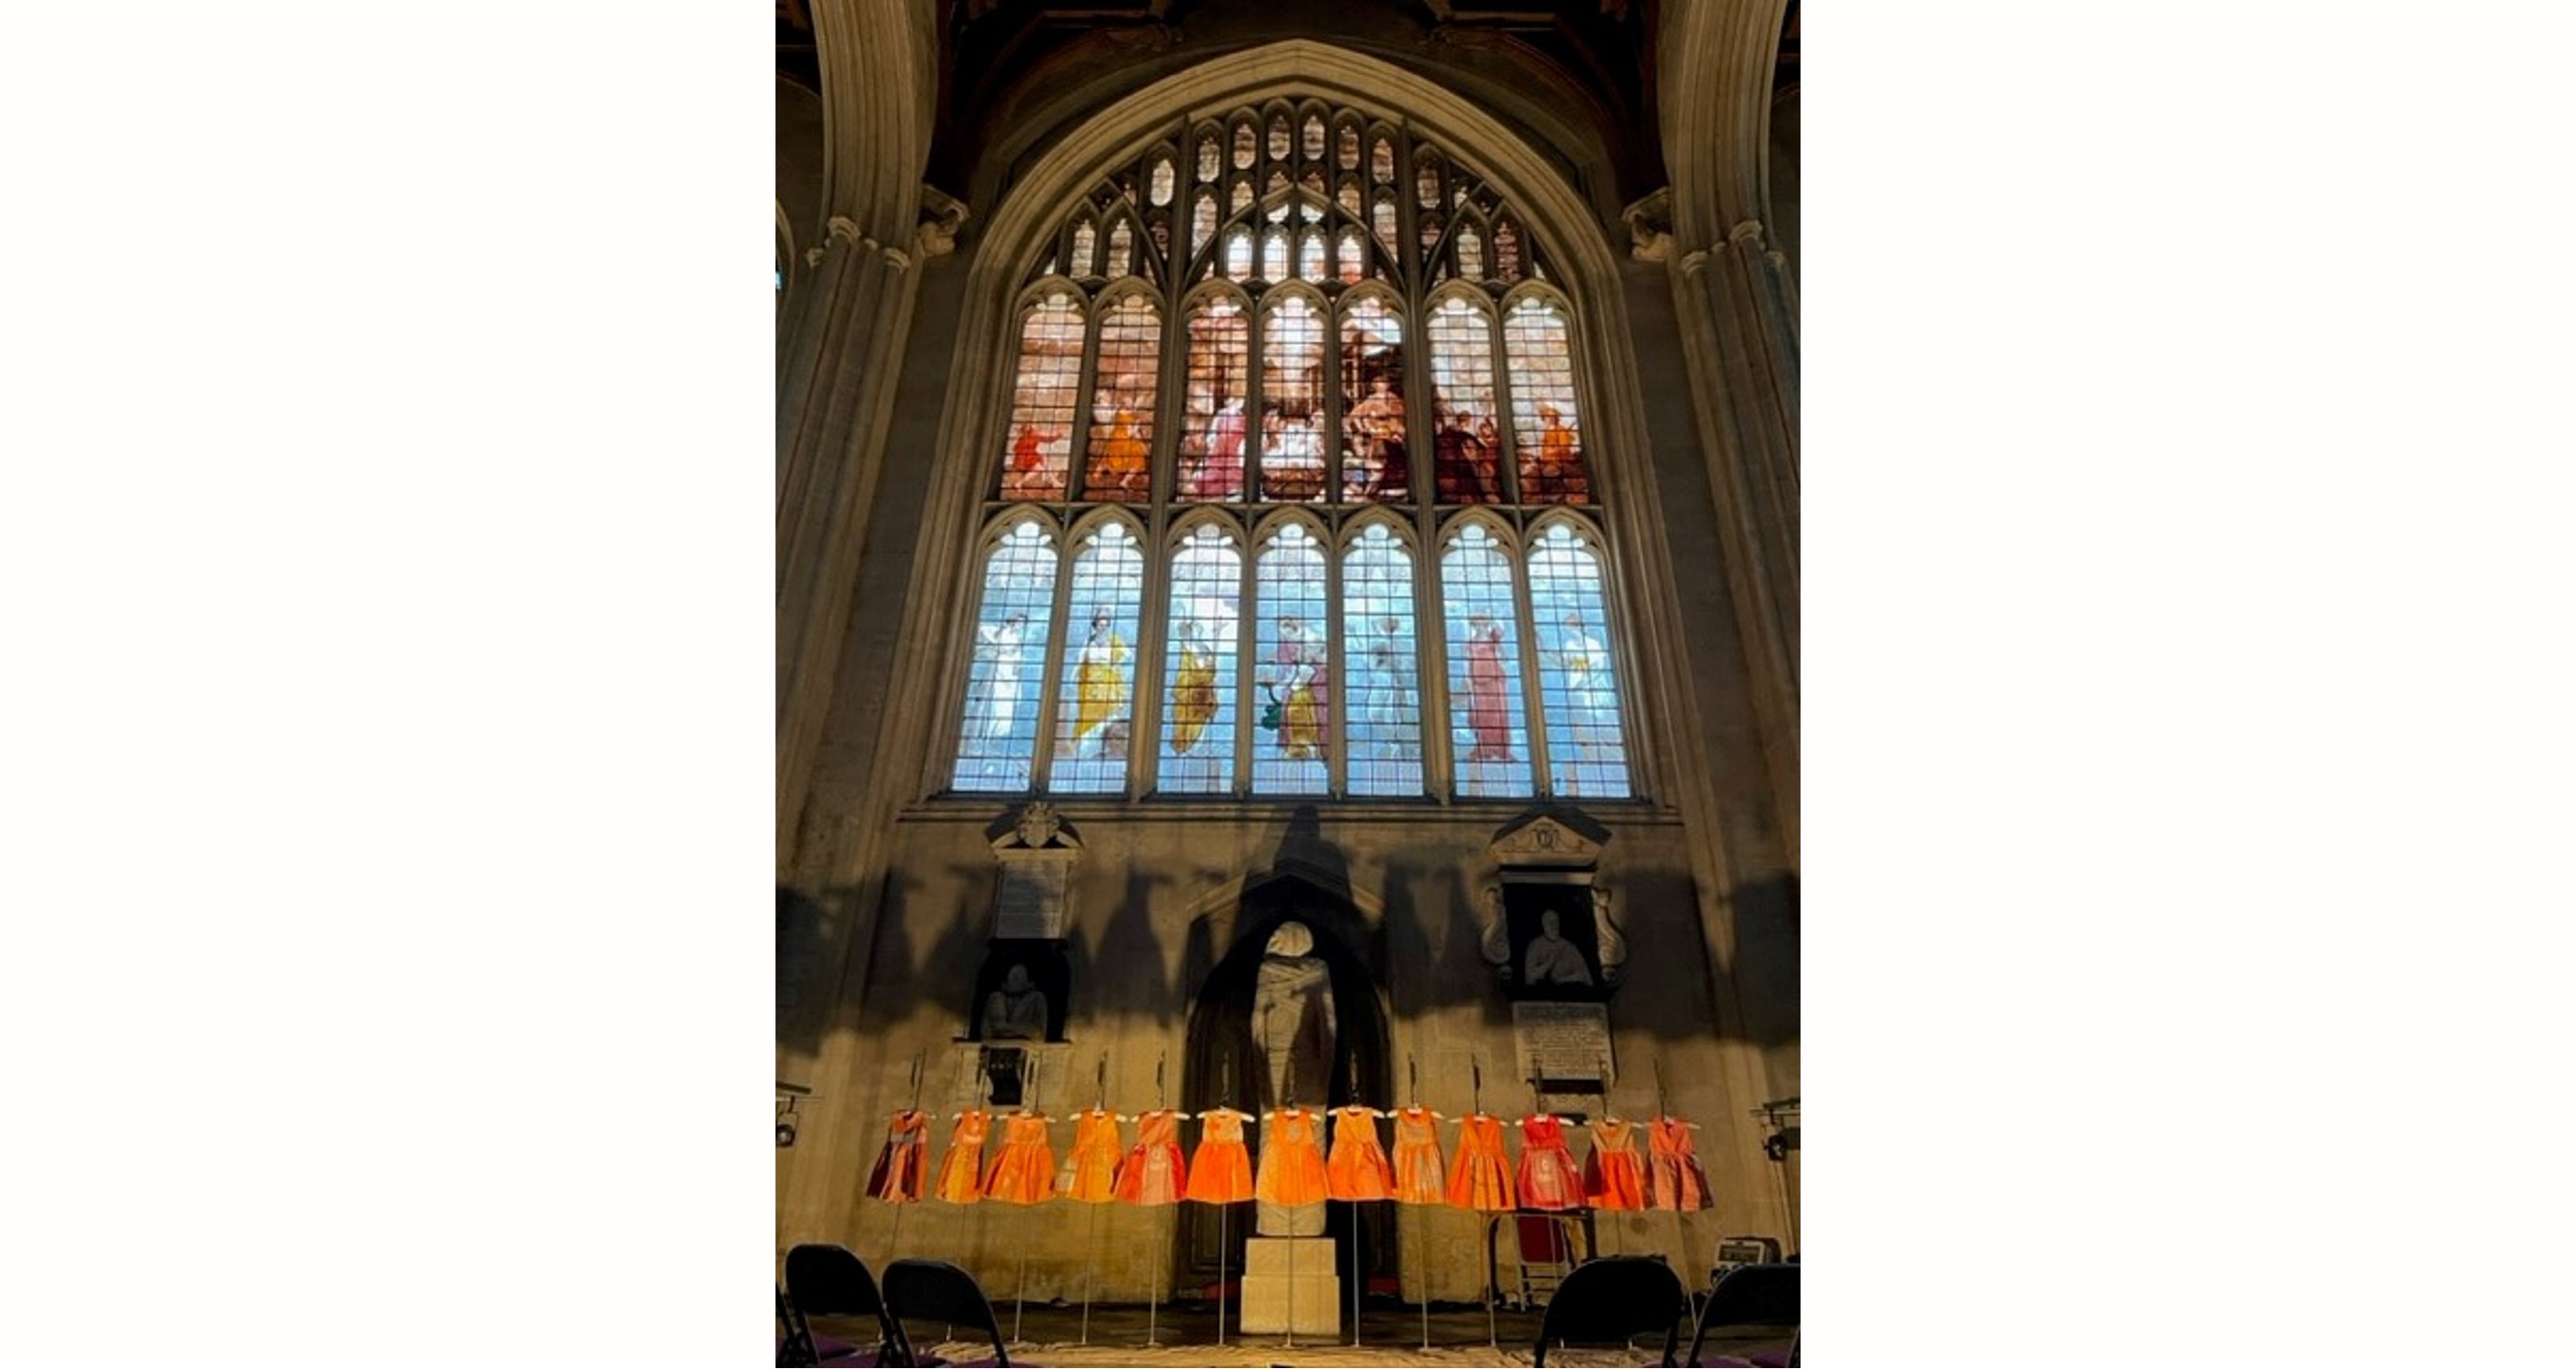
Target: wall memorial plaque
(1032,901)
(1562,1043)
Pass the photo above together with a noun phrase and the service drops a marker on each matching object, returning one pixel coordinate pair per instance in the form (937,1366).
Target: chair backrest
(936,1291)
(828,1281)
(1613,1299)
(1750,1295)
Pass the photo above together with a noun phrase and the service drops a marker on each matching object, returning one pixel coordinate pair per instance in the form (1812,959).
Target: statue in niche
(1294,1027)
(1016,1011)
(1552,960)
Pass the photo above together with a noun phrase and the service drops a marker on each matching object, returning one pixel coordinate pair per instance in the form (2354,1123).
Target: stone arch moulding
(1547,207)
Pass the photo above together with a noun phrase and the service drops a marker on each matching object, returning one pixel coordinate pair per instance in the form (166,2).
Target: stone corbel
(1496,944)
(941,216)
(1746,234)
(1612,943)
(1650,226)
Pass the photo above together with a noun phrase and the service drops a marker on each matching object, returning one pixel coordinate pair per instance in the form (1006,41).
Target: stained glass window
(1035,455)
(1378,656)
(1122,410)
(1587,750)
(1292,653)
(1544,421)
(1292,401)
(1000,730)
(1465,442)
(1095,706)
(1198,748)
(1212,444)
(1489,735)
(1292,675)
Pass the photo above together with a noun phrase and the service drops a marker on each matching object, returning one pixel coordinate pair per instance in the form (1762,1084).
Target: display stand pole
(1154,1283)
(1355,1269)
(1099,1104)
(894,1241)
(1220,1272)
(1086,1274)
(1422,1238)
(1020,1295)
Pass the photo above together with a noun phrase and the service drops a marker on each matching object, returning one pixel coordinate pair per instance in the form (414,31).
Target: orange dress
(1091,1169)
(1292,1159)
(905,1162)
(1419,1177)
(1358,1171)
(1023,1169)
(960,1171)
(1673,1178)
(1549,1179)
(1481,1178)
(1221,1172)
(1613,1178)
(1153,1173)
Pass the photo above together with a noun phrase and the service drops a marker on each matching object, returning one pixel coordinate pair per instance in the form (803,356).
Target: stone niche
(1556,947)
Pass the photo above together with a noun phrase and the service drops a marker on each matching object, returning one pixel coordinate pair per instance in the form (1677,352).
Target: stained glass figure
(1313,143)
(1293,679)
(1161,183)
(1578,693)
(1489,734)
(1385,751)
(1122,407)
(998,737)
(1347,147)
(1208,167)
(1375,464)
(1095,704)
(1198,754)
(1292,401)
(1039,448)
(1382,162)
(1547,432)
(1212,438)
(1382,220)
(1465,444)
(1202,222)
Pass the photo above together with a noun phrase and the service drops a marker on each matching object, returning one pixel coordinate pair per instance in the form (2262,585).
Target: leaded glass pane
(999,733)
(1464,442)
(1039,448)
(1212,438)
(1375,465)
(1544,422)
(1385,755)
(1488,728)
(1587,749)
(1198,754)
(1095,703)
(1122,410)
(1292,677)
(1292,401)
(1162,181)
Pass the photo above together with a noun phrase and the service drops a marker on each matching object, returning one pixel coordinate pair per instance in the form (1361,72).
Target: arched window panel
(1210,164)
(1214,427)
(1466,442)
(998,733)
(1279,144)
(1314,256)
(1275,187)
(1429,228)
(1382,220)
(1095,701)
(1346,144)
(1247,144)
(1507,251)
(1199,683)
(1547,429)
(1469,250)
(1039,448)
(1120,259)
(1238,253)
(1348,198)
(1274,255)
(1587,747)
(1488,725)
(1241,197)
(1384,746)
(1310,136)
(1159,182)
(1351,257)
(1202,222)
(1426,177)
(1291,430)
(1292,674)
(1114,464)
(1382,156)
(1375,464)
(1086,244)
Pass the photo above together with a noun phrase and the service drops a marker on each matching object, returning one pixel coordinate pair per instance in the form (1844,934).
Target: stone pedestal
(1290,1284)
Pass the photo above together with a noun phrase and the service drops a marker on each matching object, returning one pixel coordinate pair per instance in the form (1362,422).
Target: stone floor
(1389,1334)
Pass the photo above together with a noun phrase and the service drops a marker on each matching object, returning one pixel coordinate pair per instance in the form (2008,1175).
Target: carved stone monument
(1559,953)
(1294,1026)
(1037,856)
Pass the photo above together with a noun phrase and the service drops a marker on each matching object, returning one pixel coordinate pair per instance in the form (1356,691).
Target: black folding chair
(935,1291)
(1615,1298)
(1752,1296)
(827,1281)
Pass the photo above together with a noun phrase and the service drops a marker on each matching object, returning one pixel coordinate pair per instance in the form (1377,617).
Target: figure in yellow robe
(1193,690)
(1100,682)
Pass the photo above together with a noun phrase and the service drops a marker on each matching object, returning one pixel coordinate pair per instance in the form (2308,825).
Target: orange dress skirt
(1221,1172)
(1613,1178)
(1549,1179)
(1023,1171)
(1090,1173)
(1481,1177)
(905,1163)
(1419,1176)
(1358,1171)
(1673,1178)
(1153,1173)
(961,1170)
(1292,1159)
